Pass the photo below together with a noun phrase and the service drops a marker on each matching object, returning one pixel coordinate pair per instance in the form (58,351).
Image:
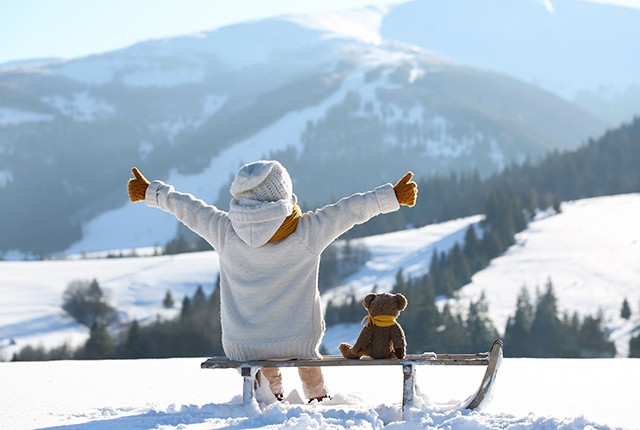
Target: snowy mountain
(323,93)
(529,394)
(589,250)
(581,50)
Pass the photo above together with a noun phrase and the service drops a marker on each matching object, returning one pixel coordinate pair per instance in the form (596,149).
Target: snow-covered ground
(176,394)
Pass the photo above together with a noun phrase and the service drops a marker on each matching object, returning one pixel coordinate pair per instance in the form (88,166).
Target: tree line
(534,330)
(604,166)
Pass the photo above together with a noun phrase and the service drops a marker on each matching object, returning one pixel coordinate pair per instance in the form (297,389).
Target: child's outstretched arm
(205,220)
(331,221)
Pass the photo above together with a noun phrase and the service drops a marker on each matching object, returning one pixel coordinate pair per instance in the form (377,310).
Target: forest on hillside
(604,166)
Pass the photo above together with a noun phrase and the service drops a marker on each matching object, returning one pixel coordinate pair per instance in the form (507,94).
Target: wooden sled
(490,359)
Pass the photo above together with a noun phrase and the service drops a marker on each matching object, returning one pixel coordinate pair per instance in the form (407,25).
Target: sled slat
(334,360)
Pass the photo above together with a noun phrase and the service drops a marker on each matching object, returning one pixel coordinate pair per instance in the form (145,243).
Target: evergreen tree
(546,326)
(134,345)
(517,332)
(400,286)
(178,245)
(216,324)
(473,250)
(168,301)
(634,347)
(460,268)
(420,318)
(480,330)
(450,333)
(186,308)
(593,340)
(331,314)
(625,311)
(99,345)
(566,344)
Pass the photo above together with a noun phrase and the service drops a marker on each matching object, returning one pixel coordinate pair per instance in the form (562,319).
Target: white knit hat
(266,181)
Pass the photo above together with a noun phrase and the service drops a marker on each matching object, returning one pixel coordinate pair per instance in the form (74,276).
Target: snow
(5,178)
(11,116)
(210,105)
(81,107)
(360,24)
(176,394)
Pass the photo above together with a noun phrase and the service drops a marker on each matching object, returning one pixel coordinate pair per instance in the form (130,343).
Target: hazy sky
(72,28)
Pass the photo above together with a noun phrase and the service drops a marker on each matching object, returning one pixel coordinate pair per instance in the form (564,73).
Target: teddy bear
(382,336)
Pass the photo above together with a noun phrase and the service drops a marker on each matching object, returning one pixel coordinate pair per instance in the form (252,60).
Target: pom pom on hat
(266,181)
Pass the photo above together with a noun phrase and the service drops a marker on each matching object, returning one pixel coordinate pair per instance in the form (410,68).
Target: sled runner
(490,359)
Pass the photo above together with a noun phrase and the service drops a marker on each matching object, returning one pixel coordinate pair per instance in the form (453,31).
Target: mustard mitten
(406,190)
(137,186)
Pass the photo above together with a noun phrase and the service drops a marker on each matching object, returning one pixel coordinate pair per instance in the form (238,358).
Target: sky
(71,28)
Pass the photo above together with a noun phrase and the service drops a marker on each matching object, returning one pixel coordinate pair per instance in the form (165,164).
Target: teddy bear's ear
(401,301)
(368,299)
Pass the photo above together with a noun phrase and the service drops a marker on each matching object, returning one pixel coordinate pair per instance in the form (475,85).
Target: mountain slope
(590,252)
(192,109)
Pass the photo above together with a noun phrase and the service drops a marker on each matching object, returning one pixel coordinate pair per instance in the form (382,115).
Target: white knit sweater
(270,303)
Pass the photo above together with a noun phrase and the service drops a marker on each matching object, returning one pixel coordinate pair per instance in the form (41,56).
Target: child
(269,257)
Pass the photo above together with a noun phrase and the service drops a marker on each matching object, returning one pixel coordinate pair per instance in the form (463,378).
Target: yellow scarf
(288,225)
(379,320)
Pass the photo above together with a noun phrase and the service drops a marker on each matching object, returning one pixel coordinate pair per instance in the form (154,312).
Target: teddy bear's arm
(364,339)
(398,341)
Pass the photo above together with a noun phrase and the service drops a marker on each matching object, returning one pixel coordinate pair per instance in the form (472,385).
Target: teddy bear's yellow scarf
(288,226)
(379,320)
